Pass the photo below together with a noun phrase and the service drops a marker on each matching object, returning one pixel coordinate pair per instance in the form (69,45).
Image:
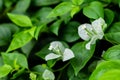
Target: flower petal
(68,54)
(56,45)
(82,32)
(51,56)
(92,41)
(48,75)
(97,26)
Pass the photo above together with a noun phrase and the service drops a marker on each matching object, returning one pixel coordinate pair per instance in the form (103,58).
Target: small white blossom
(68,54)
(92,32)
(48,75)
(52,56)
(59,51)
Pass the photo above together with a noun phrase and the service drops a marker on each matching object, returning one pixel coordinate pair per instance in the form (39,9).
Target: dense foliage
(59,40)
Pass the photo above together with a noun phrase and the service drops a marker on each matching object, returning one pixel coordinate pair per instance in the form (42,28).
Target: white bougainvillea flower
(92,32)
(48,75)
(59,51)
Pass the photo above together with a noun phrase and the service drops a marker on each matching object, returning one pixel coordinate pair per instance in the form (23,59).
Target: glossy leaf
(104,67)
(66,18)
(38,68)
(70,32)
(94,10)
(20,20)
(81,75)
(111,75)
(13,28)
(41,16)
(77,2)
(1,61)
(11,58)
(5,70)
(19,40)
(109,18)
(5,35)
(75,10)
(82,56)
(8,3)
(115,27)
(45,2)
(28,47)
(43,52)
(21,6)
(6,31)
(39,30)
(61,9)
(18,73)
(55,27)
(112,53)
(113,37)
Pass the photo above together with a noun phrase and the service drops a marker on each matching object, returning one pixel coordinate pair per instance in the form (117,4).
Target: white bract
(59,51)
(48,75)
(92,32)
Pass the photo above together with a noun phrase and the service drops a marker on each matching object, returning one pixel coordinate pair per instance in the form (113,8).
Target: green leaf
(114,28)
(13,28)
(8,3)
(92,66)
(20,20)
(5,35)
(43,52)
(113,37)
(1,61)
(21,6)
(66,18)
(69,33)
(111,75)
(28,47)
(61,9)
(81,75)
(77,2)
(19,40)
(104,67)
(109,18)
(5,70)
(33,76)
(1,4)
(112,53)
(82,56)
(38,68)
(74,10)
(39,30)
(13,59)
(45,2)
(6,31)
(41,16)
(51,63)
(31,31)
(94,10)
(18,73)
(70,72)
(55,27)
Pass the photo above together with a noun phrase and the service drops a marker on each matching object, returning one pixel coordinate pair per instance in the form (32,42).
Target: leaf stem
(62,67)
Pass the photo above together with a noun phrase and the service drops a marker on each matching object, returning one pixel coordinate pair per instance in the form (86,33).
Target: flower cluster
(59,51)
(92,32)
